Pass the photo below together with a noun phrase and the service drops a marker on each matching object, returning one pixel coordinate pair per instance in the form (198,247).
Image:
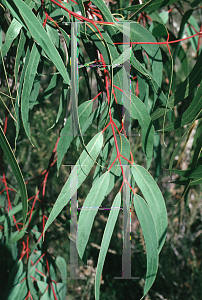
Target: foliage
(100,79)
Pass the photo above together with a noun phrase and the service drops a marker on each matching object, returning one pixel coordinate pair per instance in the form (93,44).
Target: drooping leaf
(12,33)
(190,113)
(79,174)
(139,111)
(154,198)
(27,85)
(196,173)
(179,143)
(184,89)
(66,137)
(188,182)
(16,170)
(149,5)
(13,279)
(89,120)
(89,209)
(148,226)
(19,291)
(113,215)
(22,12)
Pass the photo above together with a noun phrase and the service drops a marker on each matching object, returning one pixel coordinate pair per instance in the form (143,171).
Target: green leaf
(124,150)
(159,30)
(66,138)
(141,35)
(192,23)
(12,33)
(81,6)
(190,173)
(139,111)
(21,11)
(89,210)
(109,52)
(107,16)
(150,236)
(19,291)
(149,5)
(179,143)
(77,176)
(190,113)
(50,88)
(157,156)
(121,59)
(113,215)
(27,85)
(16,170)
(184,89)
(90,120)
(61,264)
(188,182)
(154,198)
(42,286)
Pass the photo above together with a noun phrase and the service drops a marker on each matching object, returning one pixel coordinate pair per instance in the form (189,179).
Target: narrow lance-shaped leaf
(16,170)
(80,171)
(11,35)
(150,236)
(66,137)
(22,75)
(189,114)
(139,111)
(189,173)
(89,210)
(188,182)
(27,85)
(180,141)
(22,12)
(113,215)
(149,5)
(184,89)
(154,198)
(89,120)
